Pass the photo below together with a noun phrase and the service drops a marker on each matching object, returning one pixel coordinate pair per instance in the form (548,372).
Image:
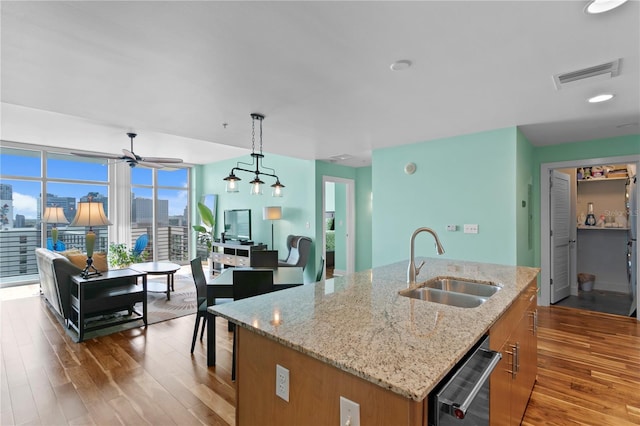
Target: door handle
(534,322)
(515,361)
(460,411)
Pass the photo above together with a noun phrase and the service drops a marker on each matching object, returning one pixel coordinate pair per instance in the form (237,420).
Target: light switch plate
(471,229)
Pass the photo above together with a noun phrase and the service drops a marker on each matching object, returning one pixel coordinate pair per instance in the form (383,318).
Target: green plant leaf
(199,228)
(207,215)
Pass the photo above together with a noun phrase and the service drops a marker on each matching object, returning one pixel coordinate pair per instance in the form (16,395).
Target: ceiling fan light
(601,6)
(600,98)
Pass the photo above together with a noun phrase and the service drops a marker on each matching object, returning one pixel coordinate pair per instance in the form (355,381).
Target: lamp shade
(90,213)
(272,213)
(54,215)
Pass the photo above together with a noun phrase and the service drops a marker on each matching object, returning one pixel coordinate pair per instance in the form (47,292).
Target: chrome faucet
(413,270)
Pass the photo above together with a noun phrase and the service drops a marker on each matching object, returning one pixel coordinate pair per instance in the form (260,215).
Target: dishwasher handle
(460,410)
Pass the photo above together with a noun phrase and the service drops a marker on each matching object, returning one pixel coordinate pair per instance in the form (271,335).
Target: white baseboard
(611,286)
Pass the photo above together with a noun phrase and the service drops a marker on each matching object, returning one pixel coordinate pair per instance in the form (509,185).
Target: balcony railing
(17,247)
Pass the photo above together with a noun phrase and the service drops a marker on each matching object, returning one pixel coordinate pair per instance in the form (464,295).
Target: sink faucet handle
(419,267)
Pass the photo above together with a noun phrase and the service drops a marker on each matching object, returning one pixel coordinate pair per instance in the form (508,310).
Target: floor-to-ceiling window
(160,209)
(33,180)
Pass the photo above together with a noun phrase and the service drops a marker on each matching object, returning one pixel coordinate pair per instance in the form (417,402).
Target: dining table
(221,287)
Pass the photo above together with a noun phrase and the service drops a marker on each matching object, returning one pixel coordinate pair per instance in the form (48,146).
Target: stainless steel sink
(466,287)
(453,292)
(460,300)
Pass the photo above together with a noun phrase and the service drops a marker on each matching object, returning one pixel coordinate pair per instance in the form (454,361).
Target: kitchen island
(356,337)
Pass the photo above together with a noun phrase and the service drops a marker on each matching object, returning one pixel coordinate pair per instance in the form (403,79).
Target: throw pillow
(78,259)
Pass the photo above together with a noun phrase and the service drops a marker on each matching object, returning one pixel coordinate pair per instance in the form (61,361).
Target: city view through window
(32,180)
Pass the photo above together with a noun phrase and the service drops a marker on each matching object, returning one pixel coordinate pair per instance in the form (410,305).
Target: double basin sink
(453,292)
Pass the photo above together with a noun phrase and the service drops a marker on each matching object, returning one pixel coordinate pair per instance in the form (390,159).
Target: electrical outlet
(452,227)
(282,382)
(471,229)
(349,412)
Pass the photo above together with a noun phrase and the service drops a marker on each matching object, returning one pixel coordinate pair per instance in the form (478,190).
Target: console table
(229,254)
(113,291)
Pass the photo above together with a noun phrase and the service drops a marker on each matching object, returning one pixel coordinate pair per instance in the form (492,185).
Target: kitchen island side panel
(315,389)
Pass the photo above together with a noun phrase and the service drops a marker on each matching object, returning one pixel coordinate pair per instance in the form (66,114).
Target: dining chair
(248,283)
(264,258)
(200,281)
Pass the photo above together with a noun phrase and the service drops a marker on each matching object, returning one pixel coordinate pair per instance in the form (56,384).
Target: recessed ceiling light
(601,6)
(401,65)
(601,98)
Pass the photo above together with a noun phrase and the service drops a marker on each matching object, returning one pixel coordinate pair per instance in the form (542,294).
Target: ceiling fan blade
(88,155)
(162,160)
(129,154)
(150,165)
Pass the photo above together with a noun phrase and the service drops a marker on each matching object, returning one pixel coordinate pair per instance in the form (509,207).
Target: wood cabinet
(228,255)
(514,335)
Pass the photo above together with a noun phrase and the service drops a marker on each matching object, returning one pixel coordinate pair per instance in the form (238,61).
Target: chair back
(299,250)
(200,280)
(59,246)
(251,282)
(141,244)
(320,270)
(264,258)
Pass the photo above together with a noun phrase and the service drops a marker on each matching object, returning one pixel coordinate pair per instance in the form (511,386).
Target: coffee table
(159,268)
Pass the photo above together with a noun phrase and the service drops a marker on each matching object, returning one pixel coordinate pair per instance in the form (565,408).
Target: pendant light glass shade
(231,183)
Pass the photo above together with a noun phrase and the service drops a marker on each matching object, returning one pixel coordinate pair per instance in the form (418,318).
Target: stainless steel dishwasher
(462,398)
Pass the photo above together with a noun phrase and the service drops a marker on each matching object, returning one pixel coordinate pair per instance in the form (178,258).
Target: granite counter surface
(360,324)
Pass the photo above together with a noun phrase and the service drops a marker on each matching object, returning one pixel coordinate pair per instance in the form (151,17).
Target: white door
(561,221)
(347,261)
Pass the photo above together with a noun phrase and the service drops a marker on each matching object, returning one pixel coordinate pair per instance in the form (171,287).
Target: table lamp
(54,215)
(272,213)
(90,213)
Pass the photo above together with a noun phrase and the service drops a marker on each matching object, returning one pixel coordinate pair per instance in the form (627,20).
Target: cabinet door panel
(500,389)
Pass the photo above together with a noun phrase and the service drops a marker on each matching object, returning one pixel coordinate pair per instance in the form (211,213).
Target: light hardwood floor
(589,372)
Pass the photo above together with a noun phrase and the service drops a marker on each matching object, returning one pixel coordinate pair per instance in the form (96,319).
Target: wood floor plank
(588,372)
(588,369)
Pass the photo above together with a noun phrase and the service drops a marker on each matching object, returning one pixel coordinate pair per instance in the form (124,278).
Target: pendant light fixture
(256,183)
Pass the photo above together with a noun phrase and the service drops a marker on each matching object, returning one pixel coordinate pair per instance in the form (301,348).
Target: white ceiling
(80,75)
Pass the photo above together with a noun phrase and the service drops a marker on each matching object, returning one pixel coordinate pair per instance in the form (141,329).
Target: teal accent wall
(364,211)
(340,226)
(594,149)
(524,201)
(298,203)
(468,179)
(330,197)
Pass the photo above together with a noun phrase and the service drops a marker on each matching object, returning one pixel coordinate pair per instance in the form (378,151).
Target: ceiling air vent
(341,157)
(598,72)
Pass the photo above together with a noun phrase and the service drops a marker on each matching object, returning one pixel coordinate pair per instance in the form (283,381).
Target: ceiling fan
(133,159)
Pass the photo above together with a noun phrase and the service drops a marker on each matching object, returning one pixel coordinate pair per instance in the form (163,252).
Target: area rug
(183,302)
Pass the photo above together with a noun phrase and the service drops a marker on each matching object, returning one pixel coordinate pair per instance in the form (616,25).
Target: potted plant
(119,256)
(205,233)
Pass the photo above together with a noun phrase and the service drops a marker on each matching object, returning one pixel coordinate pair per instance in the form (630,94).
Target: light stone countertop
(360,324)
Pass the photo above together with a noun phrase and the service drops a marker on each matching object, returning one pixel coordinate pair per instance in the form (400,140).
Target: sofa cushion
(55,273)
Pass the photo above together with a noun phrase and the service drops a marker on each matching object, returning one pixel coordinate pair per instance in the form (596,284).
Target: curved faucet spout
(413,270)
